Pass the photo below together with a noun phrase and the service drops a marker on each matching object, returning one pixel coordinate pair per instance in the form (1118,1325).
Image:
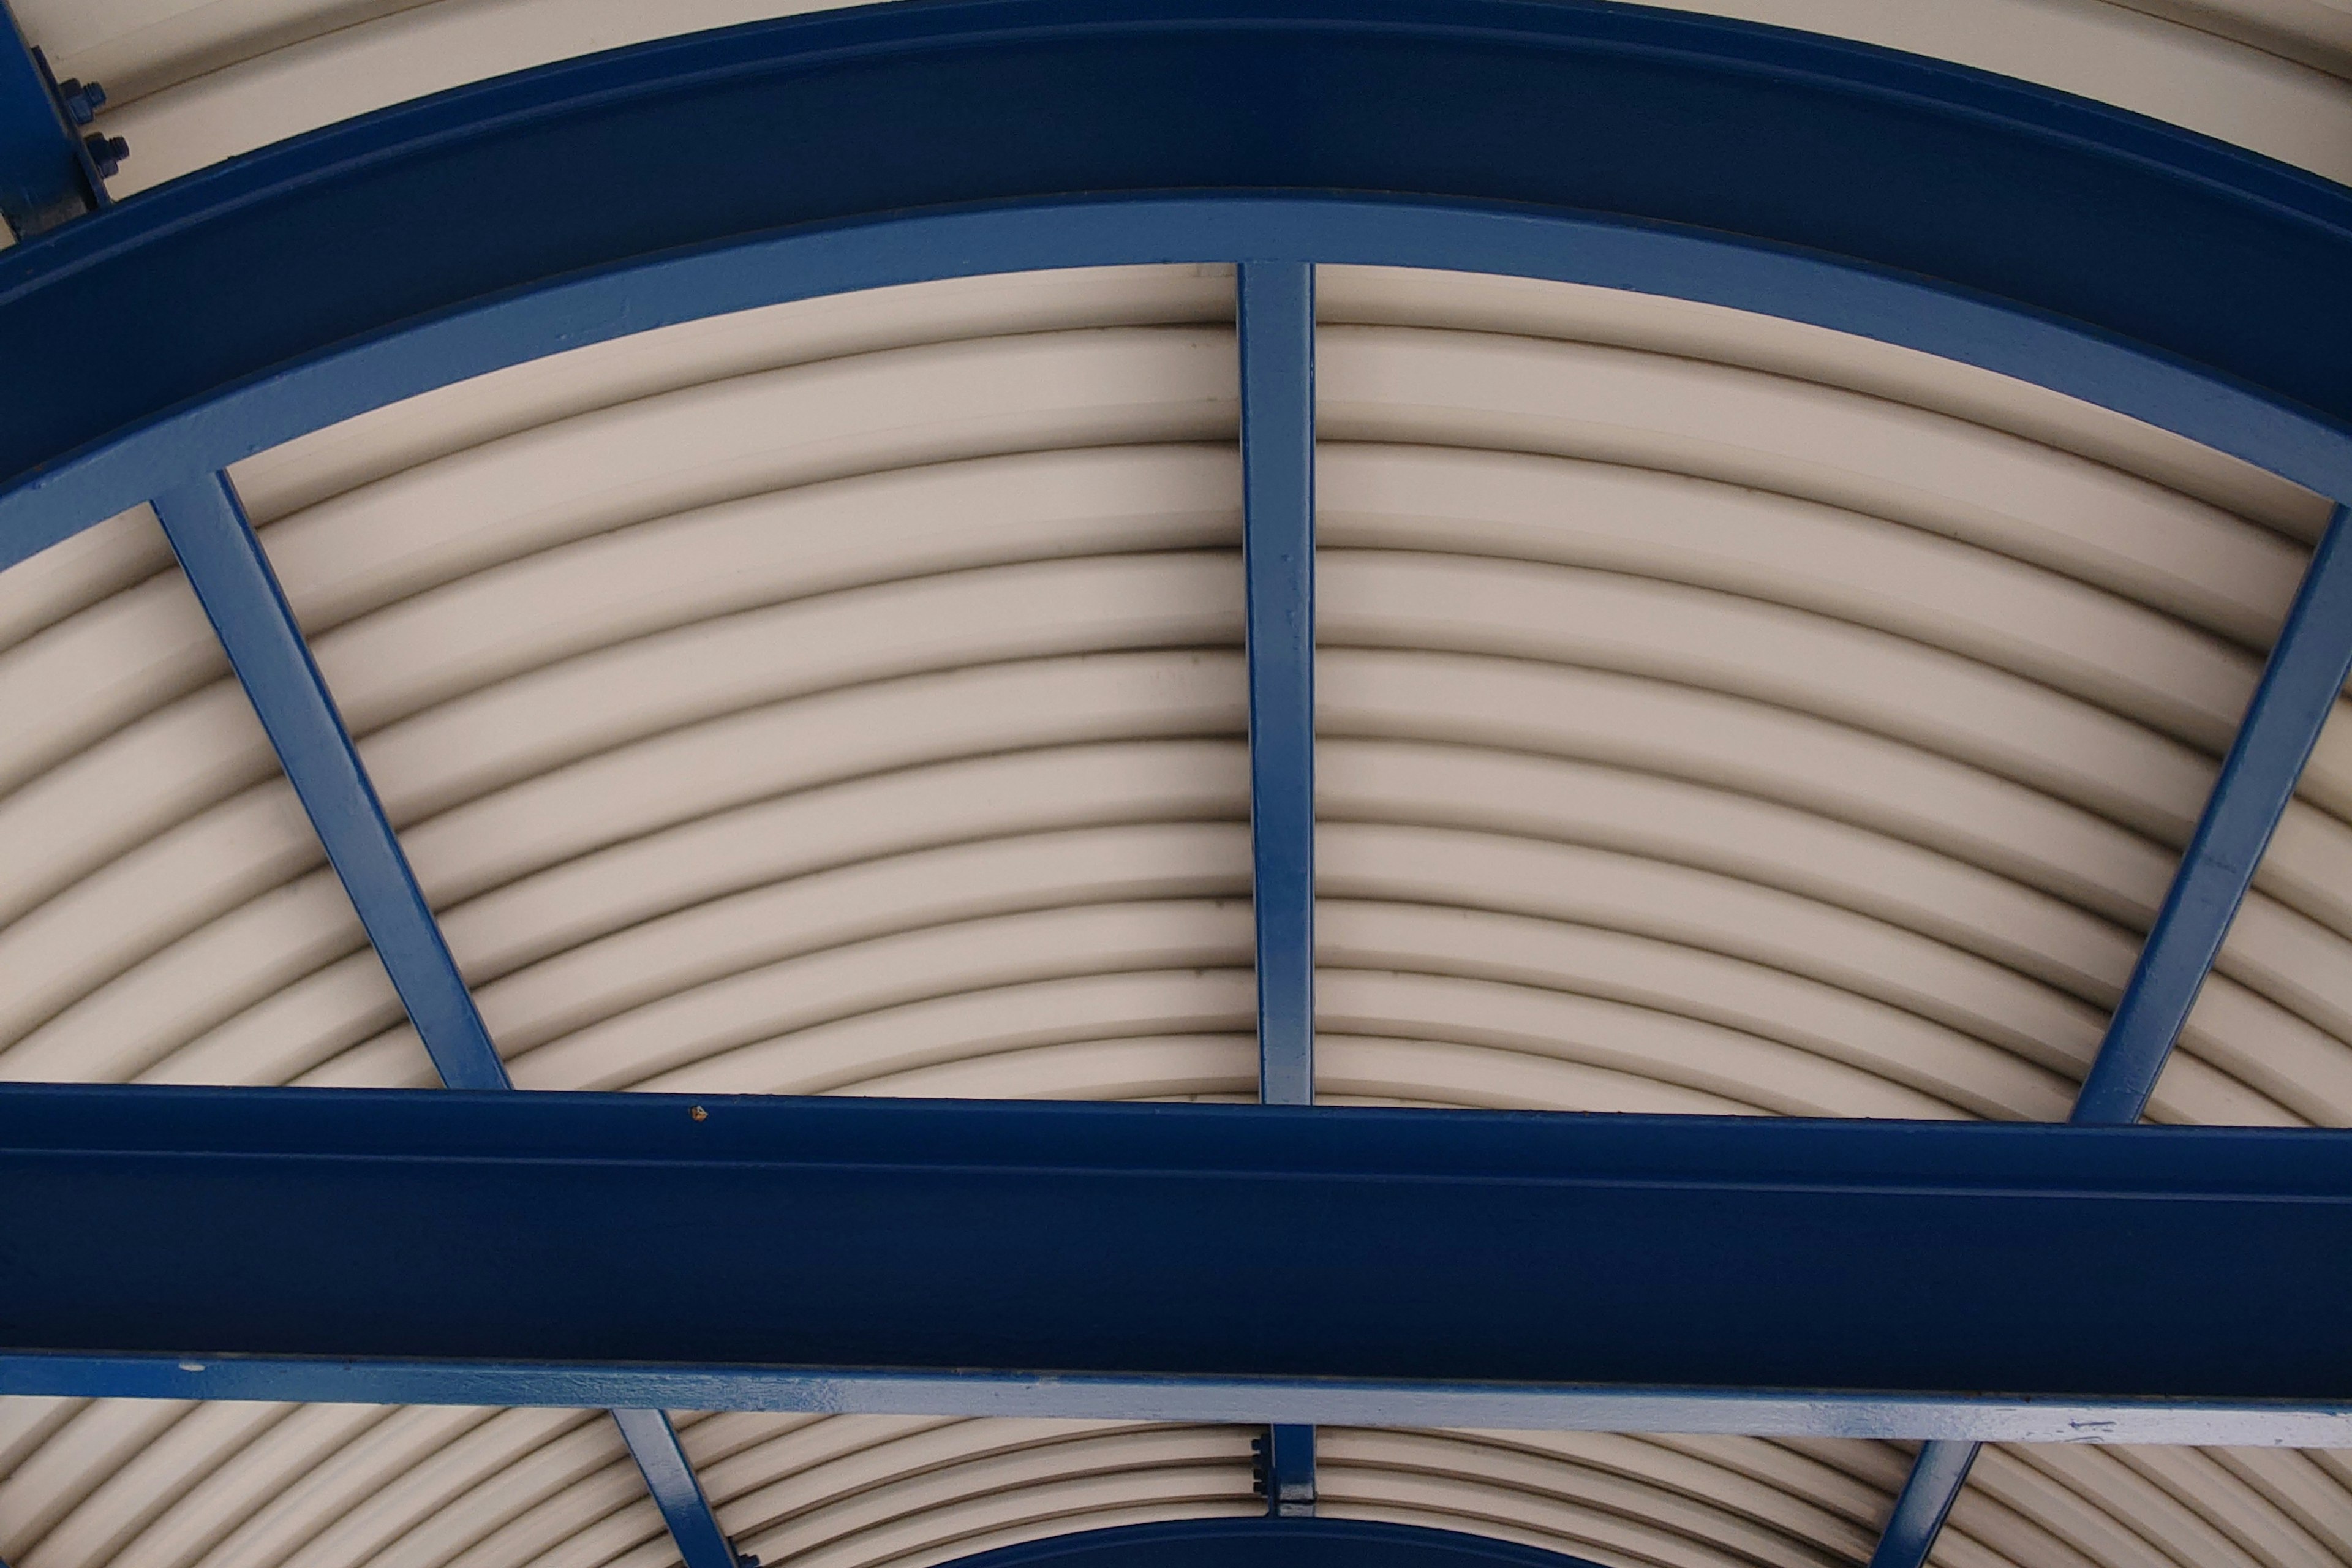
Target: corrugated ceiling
(1716,715)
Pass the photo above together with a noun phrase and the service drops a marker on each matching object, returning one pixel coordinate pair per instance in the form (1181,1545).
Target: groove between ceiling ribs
(1714,716)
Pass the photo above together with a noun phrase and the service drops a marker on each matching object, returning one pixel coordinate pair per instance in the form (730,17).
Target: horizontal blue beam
(1164,1246)
(1263,1543)
(232,578)
(1277,327)
(244,304)
(1221,1401)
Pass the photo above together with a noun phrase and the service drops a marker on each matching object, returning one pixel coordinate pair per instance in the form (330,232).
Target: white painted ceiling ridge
(193,83)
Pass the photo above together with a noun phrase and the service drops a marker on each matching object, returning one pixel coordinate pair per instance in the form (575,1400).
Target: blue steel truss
(1965,216)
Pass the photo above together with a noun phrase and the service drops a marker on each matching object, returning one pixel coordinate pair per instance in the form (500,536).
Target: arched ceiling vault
(1716,714)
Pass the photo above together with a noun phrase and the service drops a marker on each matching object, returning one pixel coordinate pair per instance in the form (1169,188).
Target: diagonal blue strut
(231,574)
(2300,683)
(670,1476)
(232,578)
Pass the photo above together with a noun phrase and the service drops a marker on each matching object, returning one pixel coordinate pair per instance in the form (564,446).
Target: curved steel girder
(1269,1543)
(1972,216)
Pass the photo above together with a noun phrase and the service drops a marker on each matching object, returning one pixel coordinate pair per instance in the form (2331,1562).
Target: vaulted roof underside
(1716,715)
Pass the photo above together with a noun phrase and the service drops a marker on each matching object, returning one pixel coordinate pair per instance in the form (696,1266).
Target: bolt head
(107,153)
(82,99)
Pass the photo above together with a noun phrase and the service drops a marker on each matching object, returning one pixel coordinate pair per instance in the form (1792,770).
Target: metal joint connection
(80,102)
(1282,1471)
(52,170)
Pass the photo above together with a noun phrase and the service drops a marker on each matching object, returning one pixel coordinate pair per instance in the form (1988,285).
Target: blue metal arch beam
(2142,267)
(175,446)
(1266,1543)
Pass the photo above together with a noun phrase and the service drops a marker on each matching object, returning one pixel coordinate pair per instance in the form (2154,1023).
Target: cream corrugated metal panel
(1716,715)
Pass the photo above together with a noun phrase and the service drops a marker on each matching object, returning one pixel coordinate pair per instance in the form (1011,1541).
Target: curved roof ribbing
(1716,714)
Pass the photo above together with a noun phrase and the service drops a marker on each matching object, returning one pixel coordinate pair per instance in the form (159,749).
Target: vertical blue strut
(1277,355)
(232,578)
(2307,668)
(1276,312)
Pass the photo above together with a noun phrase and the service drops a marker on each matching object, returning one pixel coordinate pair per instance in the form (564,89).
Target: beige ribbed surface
(1715,715)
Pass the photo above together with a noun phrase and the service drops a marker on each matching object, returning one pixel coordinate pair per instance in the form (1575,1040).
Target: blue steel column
(2306,670)
(231,574)
(1277,360)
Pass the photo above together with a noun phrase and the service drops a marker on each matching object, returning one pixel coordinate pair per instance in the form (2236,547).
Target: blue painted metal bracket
(670,1476)
(1276,319)
(52,170)
(1021,1245)
(1283,1470)
(231,574)
(1259,1543)
(2301,681)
